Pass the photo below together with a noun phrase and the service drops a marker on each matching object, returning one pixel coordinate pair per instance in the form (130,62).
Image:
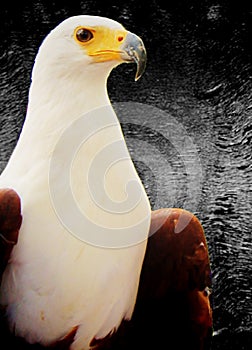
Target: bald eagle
(76,260)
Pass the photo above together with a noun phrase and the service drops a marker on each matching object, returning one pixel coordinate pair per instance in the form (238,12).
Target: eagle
(85,262)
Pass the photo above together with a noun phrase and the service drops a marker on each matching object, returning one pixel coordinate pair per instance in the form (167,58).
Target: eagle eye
(84,35)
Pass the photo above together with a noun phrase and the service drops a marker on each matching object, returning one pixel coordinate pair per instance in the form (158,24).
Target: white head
(84,44)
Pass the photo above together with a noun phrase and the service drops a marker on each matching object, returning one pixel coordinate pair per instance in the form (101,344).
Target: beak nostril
(120,38)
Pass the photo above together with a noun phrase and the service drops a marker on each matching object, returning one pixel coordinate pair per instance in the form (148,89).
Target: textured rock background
(191,136)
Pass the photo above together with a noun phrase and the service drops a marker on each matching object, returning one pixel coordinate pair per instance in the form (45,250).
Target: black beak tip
(141,65)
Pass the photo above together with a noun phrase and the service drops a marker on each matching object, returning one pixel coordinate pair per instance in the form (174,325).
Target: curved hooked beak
(133,50)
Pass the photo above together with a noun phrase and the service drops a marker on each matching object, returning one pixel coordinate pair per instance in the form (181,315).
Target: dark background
(199,72)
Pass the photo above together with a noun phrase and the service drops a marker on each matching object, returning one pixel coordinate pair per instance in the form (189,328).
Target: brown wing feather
(173,304)
(177,261)
(10,223)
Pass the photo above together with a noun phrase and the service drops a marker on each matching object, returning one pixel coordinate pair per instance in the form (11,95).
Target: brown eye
(84,35)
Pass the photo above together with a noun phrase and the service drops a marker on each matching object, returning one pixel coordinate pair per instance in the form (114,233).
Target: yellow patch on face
(101,43)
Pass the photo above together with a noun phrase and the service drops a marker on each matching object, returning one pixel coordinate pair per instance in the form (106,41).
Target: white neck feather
(54,103)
